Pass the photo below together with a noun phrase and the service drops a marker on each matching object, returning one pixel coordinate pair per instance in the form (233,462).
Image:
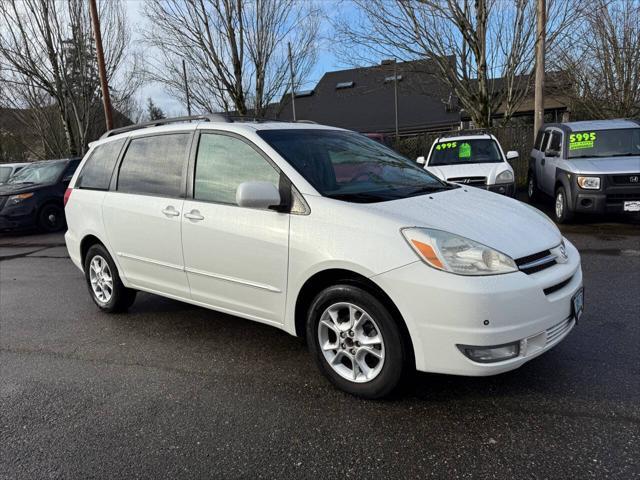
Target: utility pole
(394,61)
(538,116)
(395,94)
(186,86)
(293,95)
(104,85)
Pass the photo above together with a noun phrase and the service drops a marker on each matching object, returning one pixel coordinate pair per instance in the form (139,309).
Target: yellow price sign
(446,145)
(578,141)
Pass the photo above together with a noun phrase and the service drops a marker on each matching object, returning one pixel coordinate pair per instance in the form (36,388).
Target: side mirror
(421,160)
(67,178)
(550,152)
(261,195)
(512,154)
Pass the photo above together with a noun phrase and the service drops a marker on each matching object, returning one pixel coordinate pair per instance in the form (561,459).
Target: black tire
(121,297)
(392,369)
(561,210)
(532,187)
(51,218)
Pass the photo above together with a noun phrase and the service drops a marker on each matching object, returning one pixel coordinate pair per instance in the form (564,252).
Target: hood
(496,221)
(604,165)
(489,170)
(16,188)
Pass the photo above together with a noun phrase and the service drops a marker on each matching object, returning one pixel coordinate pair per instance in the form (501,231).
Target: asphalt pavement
(170,390)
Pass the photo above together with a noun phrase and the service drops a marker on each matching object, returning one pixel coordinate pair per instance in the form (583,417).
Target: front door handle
(170,211)
(194,215)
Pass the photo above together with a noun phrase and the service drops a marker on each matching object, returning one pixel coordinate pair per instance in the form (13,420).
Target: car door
(236,258)
(539,158)
(552,155)
(142,216)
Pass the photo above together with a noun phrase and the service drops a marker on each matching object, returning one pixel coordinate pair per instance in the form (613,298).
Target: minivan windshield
(623,142)
(40,173)
(479,150)
(351,167)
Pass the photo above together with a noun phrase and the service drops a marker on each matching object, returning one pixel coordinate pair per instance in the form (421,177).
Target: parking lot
(175,391)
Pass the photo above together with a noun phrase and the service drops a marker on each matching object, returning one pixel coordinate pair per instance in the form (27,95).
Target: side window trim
(286,187)
(113,187)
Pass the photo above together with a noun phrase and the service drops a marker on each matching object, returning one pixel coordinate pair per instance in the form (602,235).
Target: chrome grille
(557,331)
(473,181)
(536,262)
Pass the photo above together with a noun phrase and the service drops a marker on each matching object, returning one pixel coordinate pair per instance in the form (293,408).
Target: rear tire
(103,281)
(562,211)
(368,354)
(51,218)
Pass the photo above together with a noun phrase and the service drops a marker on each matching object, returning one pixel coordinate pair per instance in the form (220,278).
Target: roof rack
(211,117)
(462,133)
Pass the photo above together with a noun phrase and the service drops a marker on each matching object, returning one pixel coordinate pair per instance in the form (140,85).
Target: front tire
(103,281)
(562,210)
(51,218)
(355,341)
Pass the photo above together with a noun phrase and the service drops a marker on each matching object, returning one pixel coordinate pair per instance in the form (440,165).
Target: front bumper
(508,189)
(609,199)
(443,310)
(17,217)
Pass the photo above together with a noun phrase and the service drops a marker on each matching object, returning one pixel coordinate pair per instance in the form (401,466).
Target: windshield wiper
(625,155)
(432,189)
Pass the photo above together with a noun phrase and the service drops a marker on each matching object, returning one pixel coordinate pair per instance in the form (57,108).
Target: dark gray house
(362,99)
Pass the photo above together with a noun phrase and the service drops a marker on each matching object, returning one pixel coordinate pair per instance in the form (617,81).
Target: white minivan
(328,235)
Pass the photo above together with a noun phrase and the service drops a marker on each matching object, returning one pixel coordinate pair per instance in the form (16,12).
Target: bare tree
(235,50)
(482,49)
(50,77)
(154,112)
(603,64)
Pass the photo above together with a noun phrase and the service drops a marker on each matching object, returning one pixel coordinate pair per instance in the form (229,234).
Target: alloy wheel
(530,189)
(559,205)
(351,342)
(101,279)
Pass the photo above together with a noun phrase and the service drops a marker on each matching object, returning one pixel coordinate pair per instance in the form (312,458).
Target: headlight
(455,254)
(15,199)
(589,183)
(505,177)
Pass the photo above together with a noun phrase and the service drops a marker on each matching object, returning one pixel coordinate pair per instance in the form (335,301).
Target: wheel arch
(325,278)
(563,180)
(87,242)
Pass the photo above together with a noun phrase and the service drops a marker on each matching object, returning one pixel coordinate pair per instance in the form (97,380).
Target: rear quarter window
(97,170)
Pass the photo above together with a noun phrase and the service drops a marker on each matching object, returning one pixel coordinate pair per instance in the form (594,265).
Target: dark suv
(34,197)
(588,167)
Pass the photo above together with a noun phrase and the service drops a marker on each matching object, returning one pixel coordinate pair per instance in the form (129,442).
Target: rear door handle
(542,161)
(194,215)
(171,211)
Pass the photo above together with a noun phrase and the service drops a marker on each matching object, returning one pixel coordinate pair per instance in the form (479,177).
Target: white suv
(325,234)
(474,159)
